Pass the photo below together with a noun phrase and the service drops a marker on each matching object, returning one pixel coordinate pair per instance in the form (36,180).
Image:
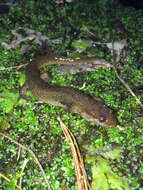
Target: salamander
(73,100)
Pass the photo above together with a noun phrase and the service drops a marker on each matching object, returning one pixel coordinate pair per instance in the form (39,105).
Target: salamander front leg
(23,92)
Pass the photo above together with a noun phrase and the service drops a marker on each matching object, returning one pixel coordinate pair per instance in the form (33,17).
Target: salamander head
(103,118)
(106,119)
(100,114)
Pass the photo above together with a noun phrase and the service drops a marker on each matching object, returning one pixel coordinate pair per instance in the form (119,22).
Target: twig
(116,59)
(81,163)
(76,161)
(23,167)
(33,154)
(7,179)
(19,152)
(132,93)
(81,176)
(14,67)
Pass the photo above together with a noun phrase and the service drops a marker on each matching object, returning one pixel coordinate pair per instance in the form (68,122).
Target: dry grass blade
(81,176)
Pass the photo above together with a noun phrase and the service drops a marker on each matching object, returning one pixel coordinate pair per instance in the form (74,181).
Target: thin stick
(23,167)
(78,161)
(132,93)
(115,60)
(75,159)
(14,67)
(7,179)
(81,163)
(19,152)
(33,154)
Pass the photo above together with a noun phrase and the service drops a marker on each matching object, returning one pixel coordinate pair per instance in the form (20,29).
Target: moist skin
(73,100)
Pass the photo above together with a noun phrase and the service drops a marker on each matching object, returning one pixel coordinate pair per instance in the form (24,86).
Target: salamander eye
(102,118)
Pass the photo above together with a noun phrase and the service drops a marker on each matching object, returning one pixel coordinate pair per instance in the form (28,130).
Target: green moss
(35,124)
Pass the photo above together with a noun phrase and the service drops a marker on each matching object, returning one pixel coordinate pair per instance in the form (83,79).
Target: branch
(33,154)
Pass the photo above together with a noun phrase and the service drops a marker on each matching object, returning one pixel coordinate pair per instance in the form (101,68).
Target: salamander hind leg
(67,105)
(70,107)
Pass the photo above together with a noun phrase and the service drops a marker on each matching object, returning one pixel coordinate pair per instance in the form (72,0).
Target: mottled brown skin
(74,101)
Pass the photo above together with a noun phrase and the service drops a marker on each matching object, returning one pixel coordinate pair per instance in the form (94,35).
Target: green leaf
(103,176)
(99,179)
(117,182)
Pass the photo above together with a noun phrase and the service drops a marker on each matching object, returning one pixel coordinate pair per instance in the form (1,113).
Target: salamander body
(73,100)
